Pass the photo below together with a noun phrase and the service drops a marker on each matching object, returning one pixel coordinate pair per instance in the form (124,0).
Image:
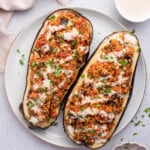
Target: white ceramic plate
(15,74)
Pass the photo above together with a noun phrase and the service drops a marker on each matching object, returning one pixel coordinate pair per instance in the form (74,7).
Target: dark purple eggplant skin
(30,125)
(130,91)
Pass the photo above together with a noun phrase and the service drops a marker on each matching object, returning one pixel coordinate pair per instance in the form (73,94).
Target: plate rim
(43,15)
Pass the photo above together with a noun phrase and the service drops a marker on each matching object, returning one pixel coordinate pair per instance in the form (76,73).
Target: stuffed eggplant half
(58,53)
(97,101)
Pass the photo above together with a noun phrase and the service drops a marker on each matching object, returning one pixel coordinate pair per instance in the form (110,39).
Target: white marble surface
(13,136)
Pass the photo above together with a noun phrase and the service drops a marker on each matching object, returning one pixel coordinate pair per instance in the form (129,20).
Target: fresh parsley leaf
(57,73)
(36,49)
(30,104)
(21,61)
(107,90)
(139,49)
(73,43)
(51,17)
(134,134)
(137,123)
(83,76)
(123,62)
(75,55)
(18,51)
(132,32)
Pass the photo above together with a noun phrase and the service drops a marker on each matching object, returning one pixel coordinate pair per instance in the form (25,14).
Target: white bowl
(128,146)
(134,10)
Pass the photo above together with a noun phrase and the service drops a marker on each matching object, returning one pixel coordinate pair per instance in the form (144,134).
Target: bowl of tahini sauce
(134,10)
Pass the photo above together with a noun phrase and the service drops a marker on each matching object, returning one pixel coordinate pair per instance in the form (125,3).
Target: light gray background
(13,136)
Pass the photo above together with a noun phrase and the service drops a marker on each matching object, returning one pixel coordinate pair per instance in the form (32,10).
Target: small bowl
(130,146)
(133,10)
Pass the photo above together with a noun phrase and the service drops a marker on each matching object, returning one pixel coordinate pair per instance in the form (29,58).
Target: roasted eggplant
(98,100)
(59,52)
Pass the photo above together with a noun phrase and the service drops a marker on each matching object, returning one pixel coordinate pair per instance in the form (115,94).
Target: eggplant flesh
(97,101)
(57,56)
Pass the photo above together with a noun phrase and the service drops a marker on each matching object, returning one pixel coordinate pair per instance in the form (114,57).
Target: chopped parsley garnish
(51,17)
(89,118)
(30,104)
(98,105)
(36,49)
(18,51)
(147,111)
(21,61)
(42,90)
(105,57)
(73,43)
(57,73)
(50,63)
(34,64)
(121,139)
(137,123)
(139,49)
(81,108)
(92,131)
(51,82)
(83,76)
(75,55)
(132,32)
(38,73)
(134,134)
(99,134)
(42,100)
(96,123)
(61,36)
(123,62)
(107,90)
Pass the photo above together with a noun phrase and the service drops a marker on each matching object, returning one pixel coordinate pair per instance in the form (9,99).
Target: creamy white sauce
(134,10)
(55,28)
(60,85)
(42,96)
(46,81)
(48,35)
(84,49)
(100,140)
(49,69)
(70,130)
(36,108)
(68,73)
(130,39)
(69,36)
(45,48)
(35,86)
(34,120)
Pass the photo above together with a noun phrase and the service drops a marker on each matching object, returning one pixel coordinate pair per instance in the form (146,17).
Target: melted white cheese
(69,36)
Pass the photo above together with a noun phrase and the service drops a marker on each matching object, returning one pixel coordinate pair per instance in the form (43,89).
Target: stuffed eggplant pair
(59,52)
(99,98)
